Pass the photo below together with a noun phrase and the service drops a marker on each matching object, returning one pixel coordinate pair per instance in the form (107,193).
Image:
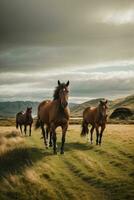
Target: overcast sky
(89,42)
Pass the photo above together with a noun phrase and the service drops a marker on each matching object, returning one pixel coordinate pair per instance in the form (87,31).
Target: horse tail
(37,124)
(85,129)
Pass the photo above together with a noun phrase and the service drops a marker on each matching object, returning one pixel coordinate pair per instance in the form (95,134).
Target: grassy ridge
(29,171)
(127,102)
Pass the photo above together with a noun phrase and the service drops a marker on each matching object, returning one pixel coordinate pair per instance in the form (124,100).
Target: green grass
(87,172)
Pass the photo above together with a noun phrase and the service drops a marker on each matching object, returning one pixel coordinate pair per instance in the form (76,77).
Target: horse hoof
(50,145)
(55,152)
(62,152)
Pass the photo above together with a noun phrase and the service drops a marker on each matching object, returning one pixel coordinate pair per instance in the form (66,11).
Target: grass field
(84,172)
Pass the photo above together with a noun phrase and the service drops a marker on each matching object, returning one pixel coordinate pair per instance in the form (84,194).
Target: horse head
(63,93)
(29,111)
(103,107)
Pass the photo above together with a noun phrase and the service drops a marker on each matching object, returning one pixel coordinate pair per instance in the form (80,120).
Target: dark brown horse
(97,117)
(24,119)
(53,114)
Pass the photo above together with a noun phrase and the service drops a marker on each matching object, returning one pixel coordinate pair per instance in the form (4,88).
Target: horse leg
(91,131)
(54,142)
(30,129)
(47,133)
(101,133)
(52,130)
(97,134)
(87,131)
(44,134)
(25,129)
(21,129)
(64,130)
(50,141)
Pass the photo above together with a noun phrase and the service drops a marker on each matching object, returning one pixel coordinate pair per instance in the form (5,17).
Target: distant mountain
(127,102)
(9,109)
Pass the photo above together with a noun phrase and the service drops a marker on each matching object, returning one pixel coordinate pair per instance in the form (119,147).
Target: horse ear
(59,82)
(67,84)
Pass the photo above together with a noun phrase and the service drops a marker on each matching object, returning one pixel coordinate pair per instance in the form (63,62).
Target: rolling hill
(9,109)
(123,102)
(113,104)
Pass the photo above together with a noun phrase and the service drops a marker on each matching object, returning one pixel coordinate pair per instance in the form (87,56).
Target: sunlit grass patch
(85,171)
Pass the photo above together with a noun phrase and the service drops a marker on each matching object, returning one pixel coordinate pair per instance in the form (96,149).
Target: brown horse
(53,114)
(97,117)
(25,118)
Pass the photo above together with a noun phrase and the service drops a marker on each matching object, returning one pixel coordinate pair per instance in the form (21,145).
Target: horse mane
(57,89)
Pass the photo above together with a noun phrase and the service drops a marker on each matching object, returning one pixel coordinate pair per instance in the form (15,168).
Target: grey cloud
(59,22)
(56,33)
(83,84)
(45,40)
(39,58)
